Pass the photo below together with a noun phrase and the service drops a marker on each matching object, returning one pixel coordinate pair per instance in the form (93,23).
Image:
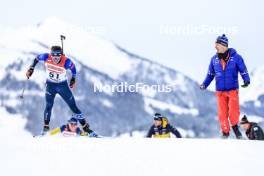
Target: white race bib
(55,73)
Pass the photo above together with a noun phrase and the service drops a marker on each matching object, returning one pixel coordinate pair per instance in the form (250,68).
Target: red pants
(228,109)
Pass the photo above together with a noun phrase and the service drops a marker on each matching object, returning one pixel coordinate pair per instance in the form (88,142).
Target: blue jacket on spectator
(227,78)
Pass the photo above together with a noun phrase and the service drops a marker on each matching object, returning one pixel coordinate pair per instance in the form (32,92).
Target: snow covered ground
(21,154)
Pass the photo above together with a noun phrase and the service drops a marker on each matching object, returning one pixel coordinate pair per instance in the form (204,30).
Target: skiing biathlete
(69,129)
(161,128)
(253,130)
(224,67)
(56,66)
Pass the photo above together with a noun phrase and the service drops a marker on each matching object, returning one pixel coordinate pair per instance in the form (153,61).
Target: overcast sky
(179,34)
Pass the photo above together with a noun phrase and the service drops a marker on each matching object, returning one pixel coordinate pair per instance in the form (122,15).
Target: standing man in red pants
(224,67)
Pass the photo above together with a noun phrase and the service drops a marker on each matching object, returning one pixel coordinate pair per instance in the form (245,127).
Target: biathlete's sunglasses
(157,118)
(56,53)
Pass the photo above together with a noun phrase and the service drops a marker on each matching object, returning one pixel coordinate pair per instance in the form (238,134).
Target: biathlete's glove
(72,82)
(246,84)
(30,72)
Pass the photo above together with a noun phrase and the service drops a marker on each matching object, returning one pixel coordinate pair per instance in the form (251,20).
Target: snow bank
(11,125)
(22,155)
(84,156)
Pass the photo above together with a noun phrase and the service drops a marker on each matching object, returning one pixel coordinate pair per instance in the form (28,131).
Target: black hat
(157,116)
(244,120)
(56,50)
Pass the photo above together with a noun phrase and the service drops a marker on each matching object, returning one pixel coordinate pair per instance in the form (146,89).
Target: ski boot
(225,135)
(46,128)
(86,129)
(237,132)
(93,134)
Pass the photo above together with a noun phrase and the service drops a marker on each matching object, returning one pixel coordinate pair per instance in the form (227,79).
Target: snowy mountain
(100,62)
(253,96)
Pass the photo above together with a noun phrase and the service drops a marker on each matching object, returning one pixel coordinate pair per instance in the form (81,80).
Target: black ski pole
(23,90)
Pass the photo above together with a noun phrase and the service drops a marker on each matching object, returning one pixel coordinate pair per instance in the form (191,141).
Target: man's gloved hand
(202,87)
(30,72)
(246,84)
(72,82)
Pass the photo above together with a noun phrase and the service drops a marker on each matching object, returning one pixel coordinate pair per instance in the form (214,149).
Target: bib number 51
(54,75)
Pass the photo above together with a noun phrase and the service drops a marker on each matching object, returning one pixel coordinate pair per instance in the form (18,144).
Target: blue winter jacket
(227,79)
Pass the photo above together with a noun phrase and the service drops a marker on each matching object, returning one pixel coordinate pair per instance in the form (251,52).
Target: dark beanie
(157,116)
(73,120)
(223,40)
(56,50)
(244,120)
